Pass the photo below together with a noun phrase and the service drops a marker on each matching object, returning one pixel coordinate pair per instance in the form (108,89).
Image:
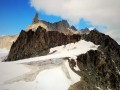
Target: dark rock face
(99,68)
(31,44)
(107,45)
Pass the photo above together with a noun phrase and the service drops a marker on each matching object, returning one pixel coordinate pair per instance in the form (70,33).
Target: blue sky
(16,15)
(100,14)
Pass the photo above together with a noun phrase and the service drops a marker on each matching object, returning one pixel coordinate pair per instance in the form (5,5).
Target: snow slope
(69,50)
(9,70)
(3,53)
(51,72)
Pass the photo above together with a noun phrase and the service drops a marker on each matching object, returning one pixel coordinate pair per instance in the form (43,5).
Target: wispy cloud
(98,12)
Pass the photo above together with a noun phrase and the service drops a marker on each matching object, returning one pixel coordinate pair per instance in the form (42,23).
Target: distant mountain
(7,41)
(61,26)
(84,31)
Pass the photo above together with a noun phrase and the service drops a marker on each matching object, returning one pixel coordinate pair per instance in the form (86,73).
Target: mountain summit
(35,20)
(61,26)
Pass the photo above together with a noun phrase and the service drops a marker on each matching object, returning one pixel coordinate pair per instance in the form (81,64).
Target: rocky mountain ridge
(99,68)
(61,26)
(31,44)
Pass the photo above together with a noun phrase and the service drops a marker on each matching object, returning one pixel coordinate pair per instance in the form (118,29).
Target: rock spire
(35,19)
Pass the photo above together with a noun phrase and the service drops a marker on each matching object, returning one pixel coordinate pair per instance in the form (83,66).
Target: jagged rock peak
(62,23)
(85,31)
(37,43)
(60,26)
(73,27)
(35,19)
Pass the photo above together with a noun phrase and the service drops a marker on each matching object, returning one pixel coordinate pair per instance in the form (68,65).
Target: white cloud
(98,12)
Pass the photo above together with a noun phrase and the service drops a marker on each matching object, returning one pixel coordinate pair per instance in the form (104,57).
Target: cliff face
(31,44)
(107,45)
(99,68)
